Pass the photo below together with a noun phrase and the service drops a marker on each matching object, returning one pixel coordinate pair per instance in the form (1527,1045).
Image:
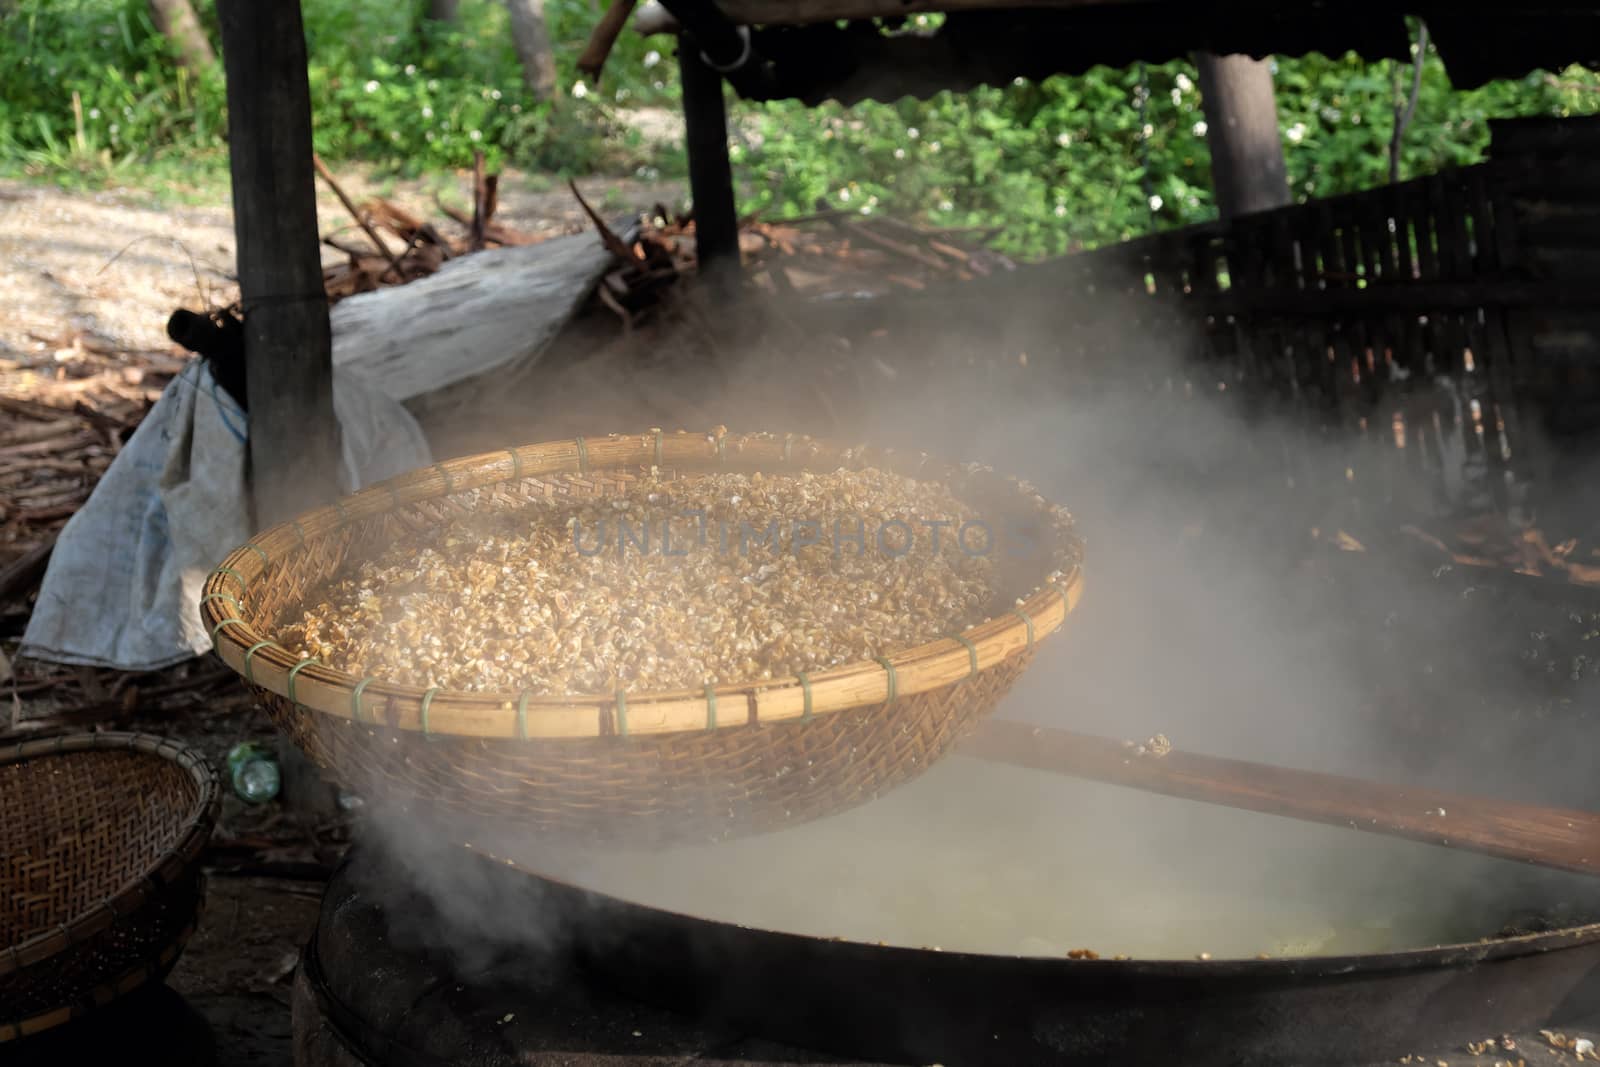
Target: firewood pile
(396,246)
(66,410)
(1486,544)
(1495,542)
(68,407)
(828,253)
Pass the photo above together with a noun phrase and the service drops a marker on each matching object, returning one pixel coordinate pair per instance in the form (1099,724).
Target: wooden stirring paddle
(1562,838)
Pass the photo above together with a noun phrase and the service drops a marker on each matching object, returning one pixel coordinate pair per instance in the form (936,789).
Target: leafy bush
(387,85)
(1065,163)
(1077,162)
(132,104)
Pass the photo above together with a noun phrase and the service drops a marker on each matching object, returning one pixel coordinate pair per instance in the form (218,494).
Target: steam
(1202,619)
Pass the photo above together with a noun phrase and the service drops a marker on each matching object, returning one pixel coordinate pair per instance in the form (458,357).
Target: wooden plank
(1389,299)
(1496,439)
(294,438)
(1544,261)
(1201,251)
(1563,222)
(1406,268)
(1456,222)
(1485,246)
(449,342)
(1507,242)
(1350,248)
(1565,839)
(1377,244)
(1541,135)
(1247,243)
(1512,405)
(1424,218)
(1291,271)
(1328,271)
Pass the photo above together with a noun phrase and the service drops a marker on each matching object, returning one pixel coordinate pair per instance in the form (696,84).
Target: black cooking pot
(390,992)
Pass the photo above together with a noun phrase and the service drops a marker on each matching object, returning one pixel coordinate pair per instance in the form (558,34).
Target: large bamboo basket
(100,881)
(645,767)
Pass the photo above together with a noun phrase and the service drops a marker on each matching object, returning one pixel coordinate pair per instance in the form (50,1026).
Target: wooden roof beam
(652,18)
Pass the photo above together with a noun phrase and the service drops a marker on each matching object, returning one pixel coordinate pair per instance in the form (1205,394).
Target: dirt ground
(115,264)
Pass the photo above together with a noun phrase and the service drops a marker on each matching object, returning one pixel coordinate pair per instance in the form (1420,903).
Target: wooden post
(705,117)
(294,440)
(1247,168)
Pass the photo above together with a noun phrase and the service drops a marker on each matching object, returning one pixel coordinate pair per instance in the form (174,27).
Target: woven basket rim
(444,712)
(167,868)
(103,993)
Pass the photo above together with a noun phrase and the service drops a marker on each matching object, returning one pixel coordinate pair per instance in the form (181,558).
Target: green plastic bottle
(253,770)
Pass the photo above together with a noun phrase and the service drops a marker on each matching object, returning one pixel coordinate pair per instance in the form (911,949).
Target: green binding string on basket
(235,575)
(344,516)
(215,630)
(583,455)
(427,704)
(888,667)
(805,689)
(296,670)
(972,654)
(299,531)
(449,482)
(711,708)
(622,713)
(788,448)
(209,597)
(257,549)
(1019,613)
(249,666)
(522,716)
(394,493)
(658,449)
(516,464)
(722,457)
(355,698)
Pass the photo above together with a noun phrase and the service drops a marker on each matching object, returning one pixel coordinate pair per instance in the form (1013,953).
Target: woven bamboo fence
(1443,334)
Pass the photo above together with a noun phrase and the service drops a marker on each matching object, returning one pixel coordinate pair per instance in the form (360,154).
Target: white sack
(123,586)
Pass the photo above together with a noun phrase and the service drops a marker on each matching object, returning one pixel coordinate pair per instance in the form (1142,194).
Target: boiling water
(984,858)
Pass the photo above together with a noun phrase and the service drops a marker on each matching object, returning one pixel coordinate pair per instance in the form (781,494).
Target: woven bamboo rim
(444,712)
(167,869)
(105,992)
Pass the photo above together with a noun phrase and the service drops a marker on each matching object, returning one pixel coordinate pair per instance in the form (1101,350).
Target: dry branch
(327,176)
(604,38)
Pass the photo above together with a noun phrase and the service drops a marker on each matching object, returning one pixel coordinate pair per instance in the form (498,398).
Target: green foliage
(1338,118)
(1066,163)
(1081,161)
(132,104)
(387,85)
